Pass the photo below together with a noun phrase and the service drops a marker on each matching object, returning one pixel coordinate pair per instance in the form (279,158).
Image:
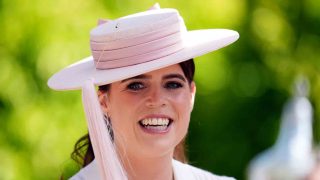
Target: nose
(156,98)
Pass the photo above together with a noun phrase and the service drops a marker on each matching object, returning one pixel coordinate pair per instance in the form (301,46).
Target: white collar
(181,171)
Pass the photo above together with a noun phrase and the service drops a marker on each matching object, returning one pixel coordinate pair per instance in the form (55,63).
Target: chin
(157,149)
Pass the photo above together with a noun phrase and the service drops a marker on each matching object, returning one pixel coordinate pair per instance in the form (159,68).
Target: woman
(143,66)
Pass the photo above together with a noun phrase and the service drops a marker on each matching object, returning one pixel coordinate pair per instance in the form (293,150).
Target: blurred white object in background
(291,158)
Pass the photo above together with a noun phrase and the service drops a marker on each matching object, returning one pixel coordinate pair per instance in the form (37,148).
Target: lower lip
(155,130)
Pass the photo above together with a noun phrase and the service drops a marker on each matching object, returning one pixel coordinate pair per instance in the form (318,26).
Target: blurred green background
(240,90)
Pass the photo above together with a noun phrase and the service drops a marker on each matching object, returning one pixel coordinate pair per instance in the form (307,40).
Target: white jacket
(181,171)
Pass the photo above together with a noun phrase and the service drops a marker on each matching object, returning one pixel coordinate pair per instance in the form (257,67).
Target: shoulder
(181,172)
(89,172)
(187,172)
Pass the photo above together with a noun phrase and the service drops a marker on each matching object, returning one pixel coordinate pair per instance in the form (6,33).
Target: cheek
(182,104)
(121,113)
(122,126)
(122,105)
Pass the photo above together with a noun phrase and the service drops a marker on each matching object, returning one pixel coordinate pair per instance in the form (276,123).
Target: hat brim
(196,43)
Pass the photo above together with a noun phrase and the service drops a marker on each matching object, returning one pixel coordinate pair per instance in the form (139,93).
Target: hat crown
(134,25)
(137,38)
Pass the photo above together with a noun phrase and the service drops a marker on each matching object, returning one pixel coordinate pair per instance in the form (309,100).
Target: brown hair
(83,151)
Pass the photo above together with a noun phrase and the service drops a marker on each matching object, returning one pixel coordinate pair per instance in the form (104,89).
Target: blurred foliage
(240,89)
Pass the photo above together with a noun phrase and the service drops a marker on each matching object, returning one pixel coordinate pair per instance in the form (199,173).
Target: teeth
(155,121)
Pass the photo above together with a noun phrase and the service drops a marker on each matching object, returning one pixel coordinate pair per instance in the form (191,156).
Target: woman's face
(150,113)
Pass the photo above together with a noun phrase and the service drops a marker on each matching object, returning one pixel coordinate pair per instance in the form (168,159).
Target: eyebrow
(179,76)
(168,76)
(143,76)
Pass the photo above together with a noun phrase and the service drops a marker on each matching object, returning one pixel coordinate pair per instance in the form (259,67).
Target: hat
(127,47)
(137,44)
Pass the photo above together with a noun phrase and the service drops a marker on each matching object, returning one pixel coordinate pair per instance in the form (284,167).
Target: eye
(135,86)
(173,85)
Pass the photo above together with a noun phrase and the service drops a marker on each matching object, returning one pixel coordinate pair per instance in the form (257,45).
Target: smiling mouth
(155,125)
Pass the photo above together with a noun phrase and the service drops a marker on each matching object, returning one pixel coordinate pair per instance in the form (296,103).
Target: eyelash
(171,85)
(133,86)
(177,85)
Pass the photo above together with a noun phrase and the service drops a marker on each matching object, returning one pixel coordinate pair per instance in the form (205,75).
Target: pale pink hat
(126,47)
(137,44)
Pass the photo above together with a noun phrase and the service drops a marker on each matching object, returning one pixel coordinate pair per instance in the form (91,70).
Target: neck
(156,168)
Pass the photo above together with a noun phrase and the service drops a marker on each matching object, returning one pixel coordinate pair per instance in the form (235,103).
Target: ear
(103,101)
(193,93)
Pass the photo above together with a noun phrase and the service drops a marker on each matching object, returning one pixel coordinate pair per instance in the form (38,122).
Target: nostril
(156,103)
(155,98)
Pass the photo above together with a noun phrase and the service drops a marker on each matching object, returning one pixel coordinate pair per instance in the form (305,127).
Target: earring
(109,126)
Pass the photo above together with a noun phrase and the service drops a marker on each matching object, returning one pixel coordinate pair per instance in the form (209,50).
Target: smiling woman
(137,121)
(149,113)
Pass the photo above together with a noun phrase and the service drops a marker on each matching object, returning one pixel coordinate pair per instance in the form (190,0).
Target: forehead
(161,73)
(173,69)
(176,68)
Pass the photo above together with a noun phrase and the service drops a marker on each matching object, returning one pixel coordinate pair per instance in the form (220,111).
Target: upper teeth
(155,121)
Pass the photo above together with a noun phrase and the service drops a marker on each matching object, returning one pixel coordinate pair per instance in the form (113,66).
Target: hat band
(110,55)
(134,40)
(138,49)
(139,58)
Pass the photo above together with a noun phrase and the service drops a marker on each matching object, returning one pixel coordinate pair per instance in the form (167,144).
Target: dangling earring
(109,126)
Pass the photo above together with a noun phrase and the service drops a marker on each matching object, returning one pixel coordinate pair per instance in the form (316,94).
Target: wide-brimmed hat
(138,44)
(124,48)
